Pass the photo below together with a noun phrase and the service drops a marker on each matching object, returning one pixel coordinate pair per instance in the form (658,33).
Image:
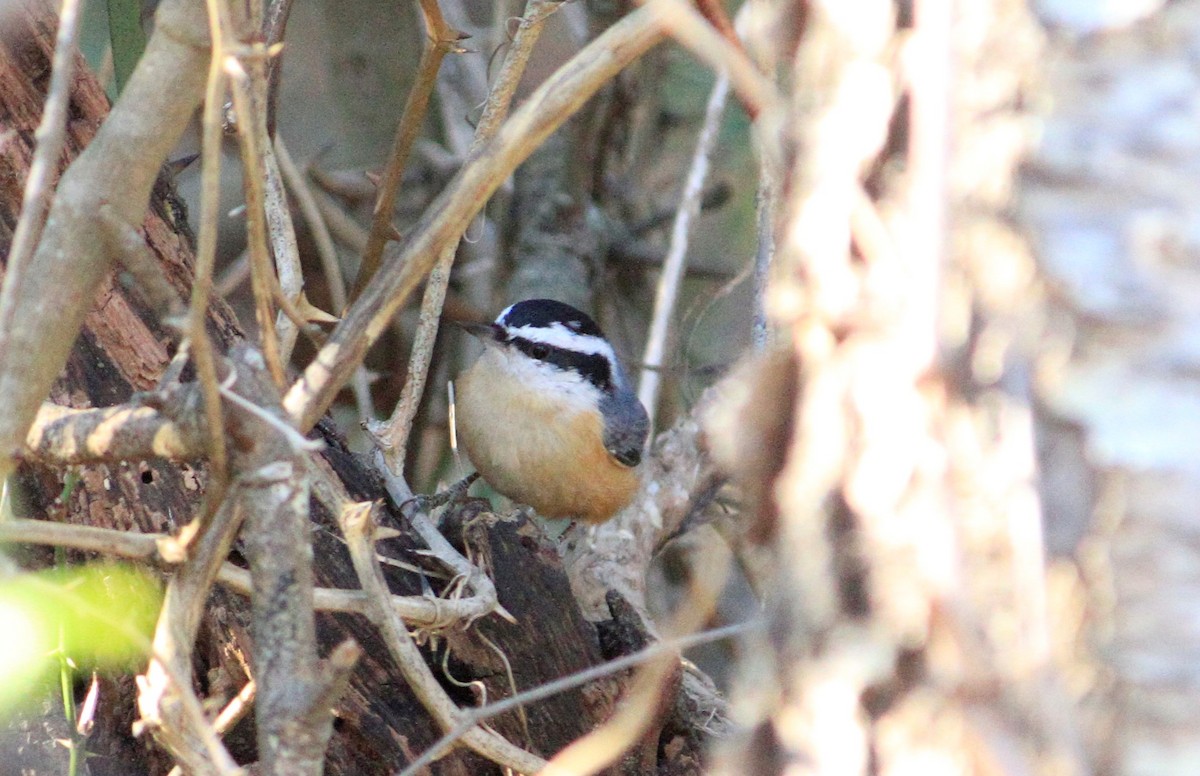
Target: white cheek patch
(546,380)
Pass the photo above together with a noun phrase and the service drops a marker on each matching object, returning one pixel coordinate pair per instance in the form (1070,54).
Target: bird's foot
(448,497)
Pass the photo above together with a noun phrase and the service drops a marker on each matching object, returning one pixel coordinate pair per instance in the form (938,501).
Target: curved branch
(447,218)
(117,169)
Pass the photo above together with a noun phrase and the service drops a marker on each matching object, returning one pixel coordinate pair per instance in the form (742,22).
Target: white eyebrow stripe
(559,336)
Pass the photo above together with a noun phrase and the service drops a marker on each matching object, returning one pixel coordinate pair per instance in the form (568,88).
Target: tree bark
(1110,202)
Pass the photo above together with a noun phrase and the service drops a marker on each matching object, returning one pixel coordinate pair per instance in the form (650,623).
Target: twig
(251,129)
(274,29)
(342,227)
(175,634)
(263,68)
(393,436)
(671,278)
(206,251)
(690,29)
(279,216)
(123,544)
(50,134)
(356,525)
(311,211)
(234,274)
(330,265)
(236,709)
(440,40)
(472,717)
(233,713)
(419,611)
(448,216)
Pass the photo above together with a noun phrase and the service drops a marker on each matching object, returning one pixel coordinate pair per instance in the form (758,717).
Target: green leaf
(97,617)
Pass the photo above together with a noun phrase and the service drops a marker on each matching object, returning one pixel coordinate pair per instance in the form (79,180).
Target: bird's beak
(484,331)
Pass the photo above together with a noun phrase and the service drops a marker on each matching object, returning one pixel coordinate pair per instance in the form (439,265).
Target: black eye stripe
(592,367)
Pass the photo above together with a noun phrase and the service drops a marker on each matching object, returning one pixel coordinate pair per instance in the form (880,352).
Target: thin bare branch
(314,216)
(280,229)
(690,29)
(274,29)
(174,636)
(393,436)
(201,347)
(342,227)
(50,134)
(448,216)
(671,278)
(666,648)
(419,611)
(82,537)
(357,527)
(440,40)
(298,186)
(251,128)
(234,711)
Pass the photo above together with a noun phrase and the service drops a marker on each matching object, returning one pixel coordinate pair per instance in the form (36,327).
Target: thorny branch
(440,40)
(295,730)
(393,436)
(356,525)
(447,217)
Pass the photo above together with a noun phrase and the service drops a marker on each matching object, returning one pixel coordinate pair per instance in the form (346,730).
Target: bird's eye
(539,351)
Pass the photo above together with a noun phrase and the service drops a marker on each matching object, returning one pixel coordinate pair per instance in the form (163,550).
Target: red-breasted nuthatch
(547,414)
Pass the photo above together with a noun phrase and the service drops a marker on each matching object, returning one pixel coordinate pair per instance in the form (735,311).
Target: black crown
(541,313)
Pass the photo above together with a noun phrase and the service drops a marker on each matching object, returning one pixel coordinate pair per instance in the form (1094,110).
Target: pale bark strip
(64,436)
(117,169)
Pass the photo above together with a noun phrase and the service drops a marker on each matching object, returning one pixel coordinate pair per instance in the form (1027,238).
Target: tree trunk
(1110,201)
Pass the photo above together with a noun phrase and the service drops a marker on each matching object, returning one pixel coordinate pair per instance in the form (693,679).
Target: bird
(548,416)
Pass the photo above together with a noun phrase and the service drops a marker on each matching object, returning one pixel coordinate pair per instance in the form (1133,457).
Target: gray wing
(625,426)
